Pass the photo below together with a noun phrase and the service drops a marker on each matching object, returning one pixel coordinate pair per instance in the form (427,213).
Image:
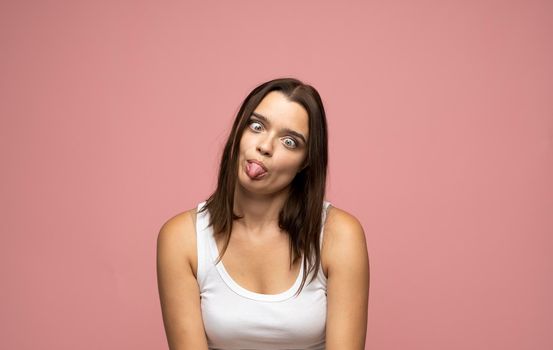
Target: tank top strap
(202,243)
(326,205)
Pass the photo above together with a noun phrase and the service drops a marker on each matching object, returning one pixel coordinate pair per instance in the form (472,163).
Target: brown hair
(300,216)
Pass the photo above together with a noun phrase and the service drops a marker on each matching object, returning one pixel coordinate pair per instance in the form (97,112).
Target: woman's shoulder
(343,234)
(177,237)
(340,220)
(180,223)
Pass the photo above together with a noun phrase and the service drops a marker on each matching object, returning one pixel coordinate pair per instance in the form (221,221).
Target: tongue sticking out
(254,169)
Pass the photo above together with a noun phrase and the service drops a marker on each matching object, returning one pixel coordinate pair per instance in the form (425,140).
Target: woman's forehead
(281,112)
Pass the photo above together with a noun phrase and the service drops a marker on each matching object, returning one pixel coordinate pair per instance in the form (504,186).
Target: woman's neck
(260,212)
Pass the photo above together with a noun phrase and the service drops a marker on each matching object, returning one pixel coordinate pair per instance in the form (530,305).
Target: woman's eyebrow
(290,131)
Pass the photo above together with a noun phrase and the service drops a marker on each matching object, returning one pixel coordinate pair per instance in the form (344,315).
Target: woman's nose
(265,146)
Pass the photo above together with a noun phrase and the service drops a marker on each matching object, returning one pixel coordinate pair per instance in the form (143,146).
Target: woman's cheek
(287,165)
(246,142)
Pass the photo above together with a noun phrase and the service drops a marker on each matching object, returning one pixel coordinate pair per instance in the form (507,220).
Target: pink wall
(114,113)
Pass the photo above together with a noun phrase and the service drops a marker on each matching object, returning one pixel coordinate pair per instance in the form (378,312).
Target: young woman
(265,262)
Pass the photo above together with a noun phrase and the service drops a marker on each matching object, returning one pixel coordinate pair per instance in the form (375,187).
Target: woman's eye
(253,127)
(291,143)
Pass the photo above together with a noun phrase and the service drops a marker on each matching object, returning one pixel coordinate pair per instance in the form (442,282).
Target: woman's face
(276,135)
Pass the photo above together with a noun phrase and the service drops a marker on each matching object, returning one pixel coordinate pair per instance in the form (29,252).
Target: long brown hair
(300,216)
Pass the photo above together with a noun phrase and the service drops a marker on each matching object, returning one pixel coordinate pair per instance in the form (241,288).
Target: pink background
(114,114)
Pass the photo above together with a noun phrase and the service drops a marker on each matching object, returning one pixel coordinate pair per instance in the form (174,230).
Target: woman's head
(273,145)
(281,124)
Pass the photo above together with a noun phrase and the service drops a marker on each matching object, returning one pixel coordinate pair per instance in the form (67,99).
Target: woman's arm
(347,282)
(178,290)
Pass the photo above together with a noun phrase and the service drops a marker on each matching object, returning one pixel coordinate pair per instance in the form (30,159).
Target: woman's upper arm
(178,289)
(347,283)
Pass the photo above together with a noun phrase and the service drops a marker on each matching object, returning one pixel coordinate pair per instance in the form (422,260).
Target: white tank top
(237,318)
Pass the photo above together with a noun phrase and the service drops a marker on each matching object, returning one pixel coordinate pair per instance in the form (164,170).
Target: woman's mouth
(255,171)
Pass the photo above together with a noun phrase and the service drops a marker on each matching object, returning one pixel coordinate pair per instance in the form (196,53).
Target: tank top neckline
(238,289)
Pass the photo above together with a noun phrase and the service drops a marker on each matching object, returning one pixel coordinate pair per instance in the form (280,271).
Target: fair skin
(258,248)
